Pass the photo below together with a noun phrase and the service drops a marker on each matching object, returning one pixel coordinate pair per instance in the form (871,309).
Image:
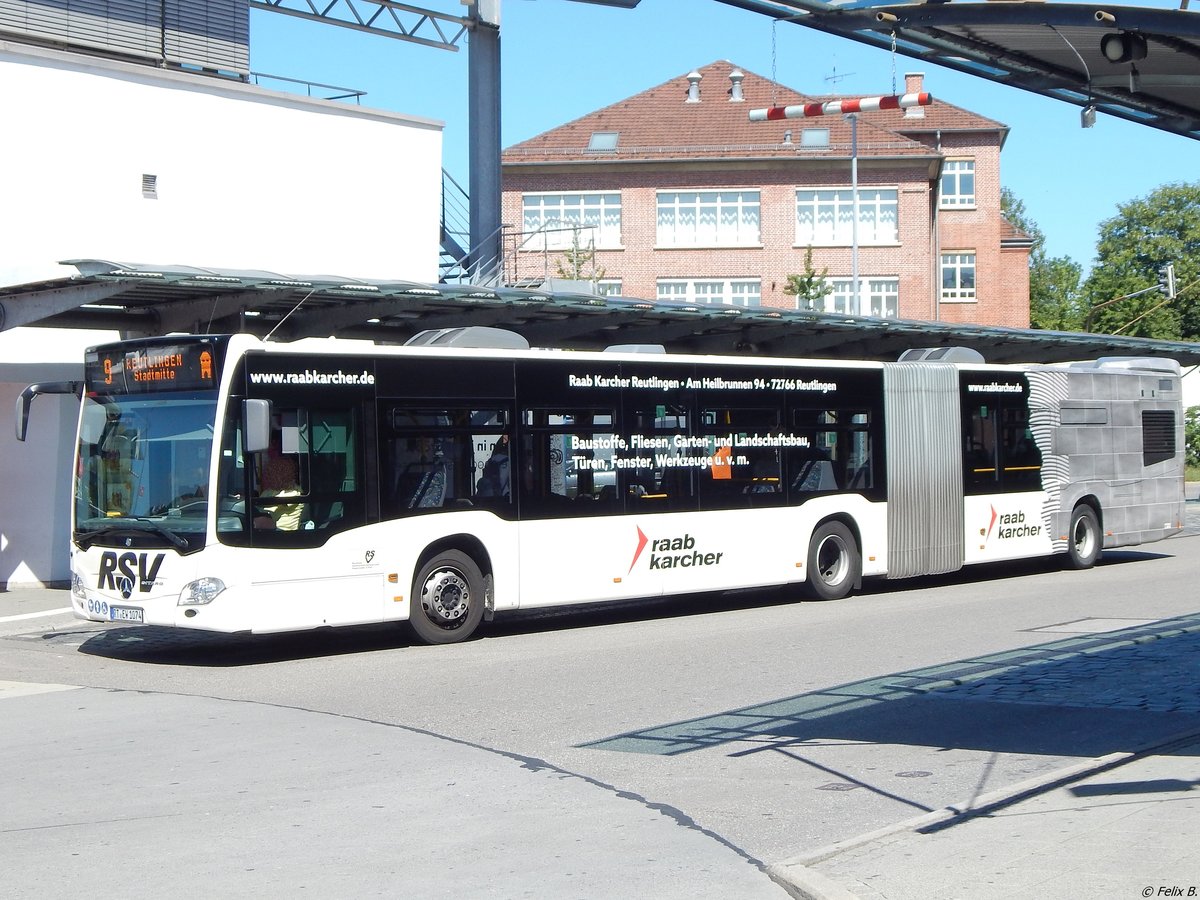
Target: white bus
(228,484)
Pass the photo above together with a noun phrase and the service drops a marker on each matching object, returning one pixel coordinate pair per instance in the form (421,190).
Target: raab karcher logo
(1007,526)
(674,553)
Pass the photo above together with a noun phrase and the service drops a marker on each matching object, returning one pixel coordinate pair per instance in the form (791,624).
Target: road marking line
(9,689)
(35,615)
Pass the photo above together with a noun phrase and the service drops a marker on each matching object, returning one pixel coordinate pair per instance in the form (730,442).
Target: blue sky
(561,60)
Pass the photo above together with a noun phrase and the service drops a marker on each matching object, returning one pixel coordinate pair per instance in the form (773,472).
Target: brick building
(674,193)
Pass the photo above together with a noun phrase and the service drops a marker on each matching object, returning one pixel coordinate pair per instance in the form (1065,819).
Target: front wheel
(448,599)
(834,563)
(1083,540)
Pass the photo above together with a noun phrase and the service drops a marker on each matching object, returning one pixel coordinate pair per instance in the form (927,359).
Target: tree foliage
(1055,300)
(1146,234)
(578,262)
(1191,436)
(810,288)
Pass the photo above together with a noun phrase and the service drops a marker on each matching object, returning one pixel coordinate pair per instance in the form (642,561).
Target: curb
(805,883)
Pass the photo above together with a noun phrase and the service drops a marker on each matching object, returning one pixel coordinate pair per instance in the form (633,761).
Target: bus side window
(1019,454)
(999,450)
(838,456)
(980,469)
(444,458)
(747,462)
(308,479)
(659,433)
(567,463)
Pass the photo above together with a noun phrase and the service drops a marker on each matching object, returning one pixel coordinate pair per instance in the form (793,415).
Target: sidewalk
(1118,825)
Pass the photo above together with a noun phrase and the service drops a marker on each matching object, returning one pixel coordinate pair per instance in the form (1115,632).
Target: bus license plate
(124,614)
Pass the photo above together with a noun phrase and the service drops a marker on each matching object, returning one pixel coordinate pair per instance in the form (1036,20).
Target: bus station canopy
(1136,63)
(141,300)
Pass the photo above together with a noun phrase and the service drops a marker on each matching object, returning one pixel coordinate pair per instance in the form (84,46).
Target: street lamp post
(849,107)
(855,301)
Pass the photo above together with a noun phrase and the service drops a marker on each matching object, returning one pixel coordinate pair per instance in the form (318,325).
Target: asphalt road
(722,734)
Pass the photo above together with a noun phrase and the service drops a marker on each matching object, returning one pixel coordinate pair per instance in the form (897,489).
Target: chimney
(735,92)
(914,83)
(693,86)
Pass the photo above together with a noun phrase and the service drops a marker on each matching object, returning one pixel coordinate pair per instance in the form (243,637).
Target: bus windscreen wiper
(137,525)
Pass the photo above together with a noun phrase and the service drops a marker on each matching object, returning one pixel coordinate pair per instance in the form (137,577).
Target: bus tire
(1083,538)
(834,562)
(449,594)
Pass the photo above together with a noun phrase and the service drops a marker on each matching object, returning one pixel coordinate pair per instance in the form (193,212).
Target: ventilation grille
(1158,436)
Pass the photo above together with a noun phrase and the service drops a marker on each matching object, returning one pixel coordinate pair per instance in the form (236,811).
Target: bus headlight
(200,592)
(77,588)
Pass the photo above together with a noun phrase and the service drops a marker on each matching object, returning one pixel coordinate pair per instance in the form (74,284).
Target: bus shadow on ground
(1083,696)
(179,647)
(173,647)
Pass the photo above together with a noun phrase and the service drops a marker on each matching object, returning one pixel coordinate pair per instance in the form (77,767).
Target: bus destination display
(166,367)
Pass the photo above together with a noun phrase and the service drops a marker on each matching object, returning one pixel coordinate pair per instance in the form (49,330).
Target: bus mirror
(27,395)
(23,413)
(256,425)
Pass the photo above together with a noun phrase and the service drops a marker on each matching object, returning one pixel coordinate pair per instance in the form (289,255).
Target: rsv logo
(117,573)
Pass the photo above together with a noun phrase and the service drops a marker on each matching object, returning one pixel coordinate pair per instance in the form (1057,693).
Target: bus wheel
(1083,541)
(834,564)
(448,599)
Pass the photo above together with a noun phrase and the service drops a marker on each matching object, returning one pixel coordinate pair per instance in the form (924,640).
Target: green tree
(1055,301)
(810,288)
(1191,436)
(579,262)
(1146,234)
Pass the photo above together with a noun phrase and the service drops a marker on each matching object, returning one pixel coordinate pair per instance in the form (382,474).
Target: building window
(880,297)
(814,137)
(708,219)
(712,291)
(609,287)
(827,216)
(958,183)
(562,221)
(958,277)
(603,140)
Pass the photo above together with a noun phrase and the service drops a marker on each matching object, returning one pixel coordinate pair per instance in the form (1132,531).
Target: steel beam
(379,17)
(38,305)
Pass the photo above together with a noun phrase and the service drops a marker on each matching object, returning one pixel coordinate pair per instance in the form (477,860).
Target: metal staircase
(522,262)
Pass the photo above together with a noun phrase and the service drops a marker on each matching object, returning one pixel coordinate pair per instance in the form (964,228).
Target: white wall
(247,178)
(35,476)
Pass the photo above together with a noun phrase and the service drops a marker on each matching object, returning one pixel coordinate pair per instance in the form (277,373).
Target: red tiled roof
(660,124)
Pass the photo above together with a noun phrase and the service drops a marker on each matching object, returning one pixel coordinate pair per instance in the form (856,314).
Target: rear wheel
(448,598)
(834,562)
(1083,540)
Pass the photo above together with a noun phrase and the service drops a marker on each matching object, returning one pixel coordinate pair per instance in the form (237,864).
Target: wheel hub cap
(446,596)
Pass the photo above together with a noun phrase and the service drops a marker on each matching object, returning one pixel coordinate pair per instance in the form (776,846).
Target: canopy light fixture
(1123,46)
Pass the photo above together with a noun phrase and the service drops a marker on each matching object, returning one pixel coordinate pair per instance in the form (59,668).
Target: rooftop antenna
(835,77)
(289,313)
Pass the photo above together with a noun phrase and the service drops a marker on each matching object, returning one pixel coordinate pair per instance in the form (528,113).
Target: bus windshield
(143,469)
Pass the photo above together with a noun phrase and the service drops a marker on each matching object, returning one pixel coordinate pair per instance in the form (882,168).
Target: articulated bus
(234,485)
